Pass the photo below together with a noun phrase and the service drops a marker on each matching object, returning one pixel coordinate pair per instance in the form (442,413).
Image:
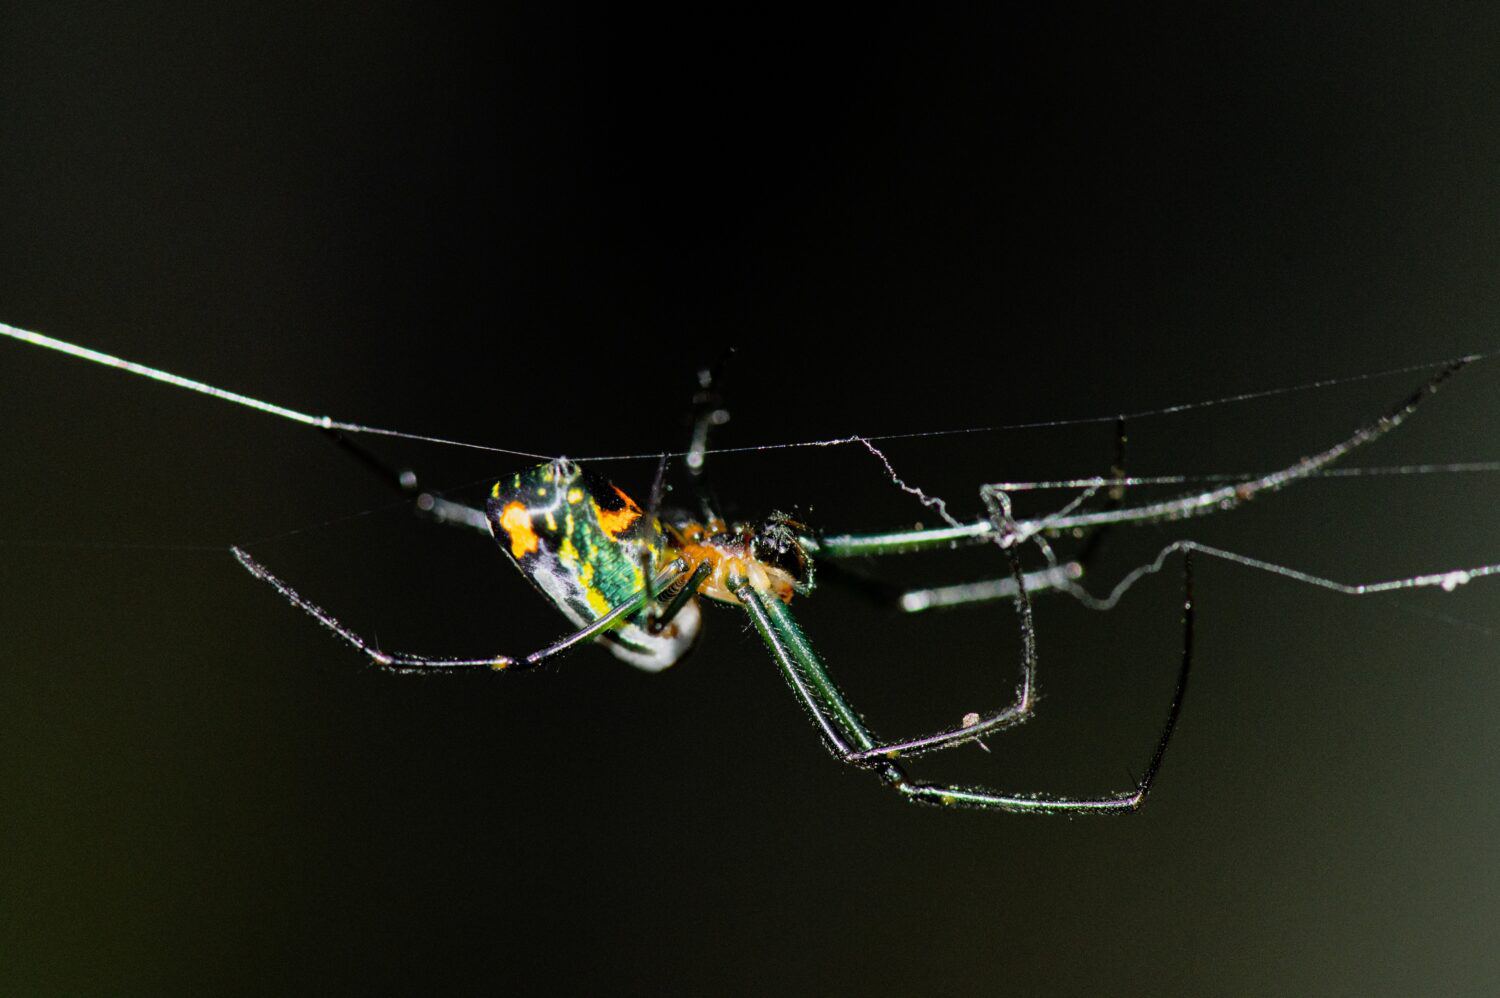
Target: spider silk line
(223,394)
(1168,410)
(329,423)
(930,501)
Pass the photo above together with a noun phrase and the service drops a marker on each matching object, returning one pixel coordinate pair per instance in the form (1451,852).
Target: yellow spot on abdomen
(598,602)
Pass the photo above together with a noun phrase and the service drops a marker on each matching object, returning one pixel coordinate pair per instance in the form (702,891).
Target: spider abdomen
(586,545)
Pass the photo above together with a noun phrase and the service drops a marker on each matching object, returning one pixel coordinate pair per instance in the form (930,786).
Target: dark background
(530,231)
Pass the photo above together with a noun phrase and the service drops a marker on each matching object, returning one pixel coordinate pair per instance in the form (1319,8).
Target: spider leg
(851,742)
(1448,580)
(1196,504)
(1114,498)
(1119,803)
(708,413)
(842,729)
(944,597)
(1229,496)
(676,601)
(408,663)
(1059,577)
(404,480)
(653,615)
(1021,708)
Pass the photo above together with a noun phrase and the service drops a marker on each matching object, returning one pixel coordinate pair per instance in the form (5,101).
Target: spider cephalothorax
(777,542)
(769,556)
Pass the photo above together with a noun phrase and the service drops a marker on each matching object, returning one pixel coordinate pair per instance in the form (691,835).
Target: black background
(530,231)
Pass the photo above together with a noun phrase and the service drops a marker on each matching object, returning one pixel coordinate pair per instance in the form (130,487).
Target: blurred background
(530,231)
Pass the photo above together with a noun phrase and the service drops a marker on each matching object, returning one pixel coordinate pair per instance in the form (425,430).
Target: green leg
(800,667)
(677,602)
(852,742)
(1198,504)
(1056,576)
(1060,576)
(1119,803)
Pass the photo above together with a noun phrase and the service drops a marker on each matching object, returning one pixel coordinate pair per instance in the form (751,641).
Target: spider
(630,578)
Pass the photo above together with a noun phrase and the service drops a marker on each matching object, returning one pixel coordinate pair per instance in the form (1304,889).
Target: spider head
(774,542)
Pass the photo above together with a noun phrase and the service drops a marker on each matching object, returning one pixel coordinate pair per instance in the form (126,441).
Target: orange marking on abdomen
(516,523)
(612,522)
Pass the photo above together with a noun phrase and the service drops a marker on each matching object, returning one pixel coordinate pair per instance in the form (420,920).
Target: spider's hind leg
(1120,803)
(851,742)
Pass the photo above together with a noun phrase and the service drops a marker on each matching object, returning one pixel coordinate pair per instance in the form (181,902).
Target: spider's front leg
(1057,576)
(852,742)
(1212,501)
(404,481)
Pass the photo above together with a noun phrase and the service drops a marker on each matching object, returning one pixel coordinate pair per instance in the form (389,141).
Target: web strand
(329,423)
(177,381)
